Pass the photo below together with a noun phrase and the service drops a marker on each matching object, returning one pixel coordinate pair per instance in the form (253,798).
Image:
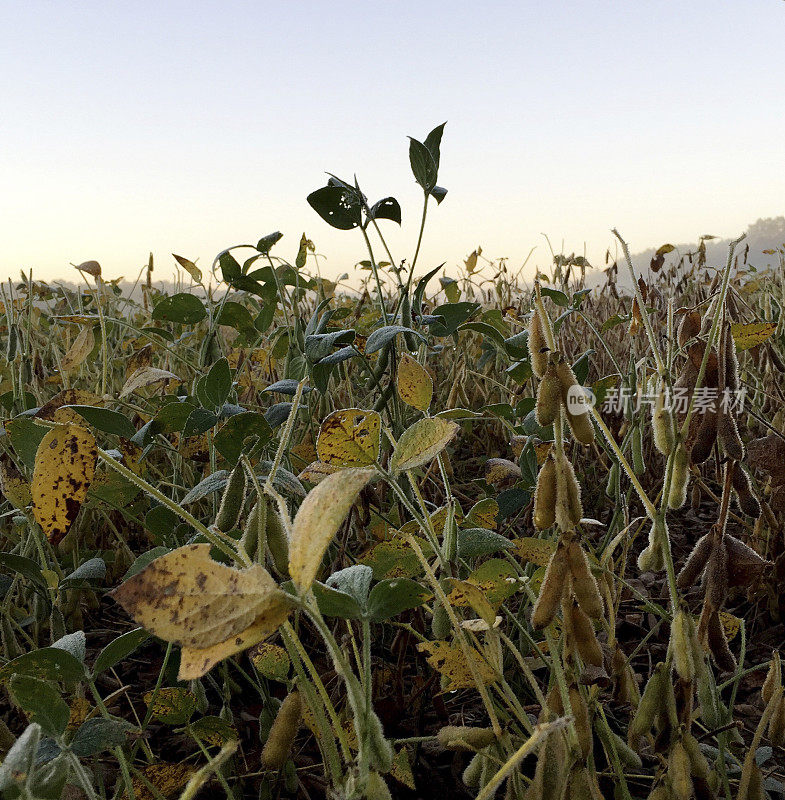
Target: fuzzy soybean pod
(698,764)
(549,774)
(638,464)
(681,646)
(680,772)
(680,479)
(544,515)
(652,558)
(440,621)
(650,703)
(473,772)
(580,423)
(777,722)
(538,346)
(718,643)
(696,562)
(705,438)
(580,712)
(465,737)
(376,788)
(232,500)
(728,434)
(277,541)
(748,503)
(773,682)
(583,583)
(281,737)
(581,633)
(568,494)
(551,589)
(662,425)
(548,397)
(254,538)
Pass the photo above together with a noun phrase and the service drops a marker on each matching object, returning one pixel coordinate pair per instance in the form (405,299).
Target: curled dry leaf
(146,376)
(64,469)
(349,437)
(91,268)
(79,351)
(318,519)
(212,610)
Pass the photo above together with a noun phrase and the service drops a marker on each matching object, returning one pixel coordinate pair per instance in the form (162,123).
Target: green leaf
(488,331)
(335,603)
(475,542)
(393,596)
(424,167)
(265,244)
(453,314)
(558,297)
(186,309)
(214,388)
(388,208)
(237,316)
(25,437)
(20,759)
(98,734)
(42,702)
(112,422)
(230,438)
(338,206)
(48,663)
(354,581)
(119,649)
(85,575)
(26,567)
(381,337)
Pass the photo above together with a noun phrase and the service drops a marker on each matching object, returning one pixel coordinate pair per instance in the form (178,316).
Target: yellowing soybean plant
(266,537)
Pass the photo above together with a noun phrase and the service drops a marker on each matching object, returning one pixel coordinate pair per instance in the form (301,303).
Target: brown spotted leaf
(349,437)
(187,598)
(414,384)
(64,469)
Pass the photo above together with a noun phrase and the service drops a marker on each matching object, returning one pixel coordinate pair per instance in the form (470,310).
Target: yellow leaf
(187,598)
(483,514)
(146,376)
(53,409)
(730,624)
(80,708)
(318,519)
(189,267)
(349,437)
(754,333)
(172,705)
(168,779)
(449,660)
(197,661)
(64,469)
(316,472)
(414,384)
(13,484)
(501,469)
(402,769)
(421,443)
(271,661)
(464,593)
(79,351)
(537,551)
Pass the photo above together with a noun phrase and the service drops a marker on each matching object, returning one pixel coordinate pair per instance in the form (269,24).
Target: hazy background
(187,127)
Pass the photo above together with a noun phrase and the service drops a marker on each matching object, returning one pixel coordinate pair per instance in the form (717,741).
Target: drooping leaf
(79,351)
(187,598)
(318,519)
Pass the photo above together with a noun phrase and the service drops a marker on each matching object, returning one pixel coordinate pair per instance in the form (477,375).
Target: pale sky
(187,127)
